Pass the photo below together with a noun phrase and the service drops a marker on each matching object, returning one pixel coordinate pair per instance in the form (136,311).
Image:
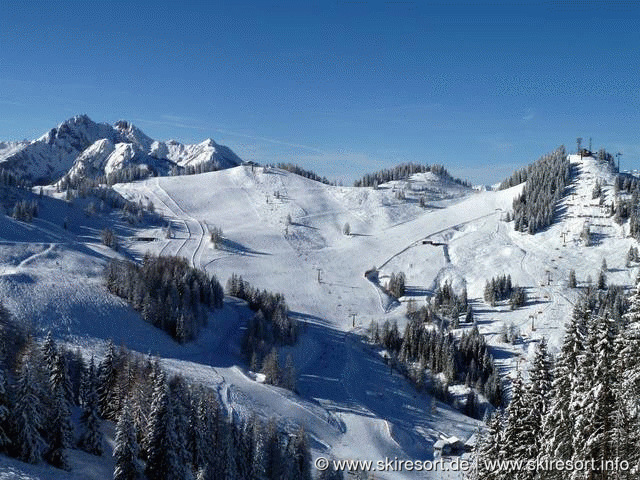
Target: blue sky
(339,87)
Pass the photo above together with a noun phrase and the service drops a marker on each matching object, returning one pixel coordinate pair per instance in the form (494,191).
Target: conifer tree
(163,462)
(518,439)
(49,352)
(632,255)
(628,370)
(488,446)
(271,368)
(274,461)
(538,395)
(259,453)
(126,447)
(224,462)
(289,374)
(27,414)
(202,419)
(60,428)
(107,383)
(179,402)
(559,423)
(5,407)
(594,419)
(300,456)
(91,437)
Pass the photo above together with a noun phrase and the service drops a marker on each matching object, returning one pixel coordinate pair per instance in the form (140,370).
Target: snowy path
(170,247)
(419,241)
(191,246)
(35,256)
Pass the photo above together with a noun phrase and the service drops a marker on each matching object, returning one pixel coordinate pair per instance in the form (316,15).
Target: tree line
(501,288)
(83,187)
(25,210)
(202,167)
(404,171)
(421,353)
(11,179)
(546,180)
(582,405)
(298,170)
(166,428)
(270,327)
(169,293)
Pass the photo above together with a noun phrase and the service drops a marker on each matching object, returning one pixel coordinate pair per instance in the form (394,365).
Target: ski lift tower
(564,238)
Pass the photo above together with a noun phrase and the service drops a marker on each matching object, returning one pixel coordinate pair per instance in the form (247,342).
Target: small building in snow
(448,446)
(470,445)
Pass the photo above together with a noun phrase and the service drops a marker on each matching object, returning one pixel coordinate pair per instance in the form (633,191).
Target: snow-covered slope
(9,148)
(348,402)
(284,233)
(192,155)
(83,147)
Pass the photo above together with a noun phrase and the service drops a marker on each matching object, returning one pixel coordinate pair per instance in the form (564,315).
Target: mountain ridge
(80,146)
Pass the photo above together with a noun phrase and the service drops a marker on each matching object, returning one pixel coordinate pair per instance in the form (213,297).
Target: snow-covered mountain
(80,146)
(285,233)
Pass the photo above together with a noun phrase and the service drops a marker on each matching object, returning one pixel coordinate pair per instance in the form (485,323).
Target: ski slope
(283,232)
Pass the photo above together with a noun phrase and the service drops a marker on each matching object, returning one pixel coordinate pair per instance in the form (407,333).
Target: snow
(82,146)
(9,148)
(351,404)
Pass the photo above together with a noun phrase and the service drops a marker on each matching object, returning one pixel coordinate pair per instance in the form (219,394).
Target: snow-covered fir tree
(59,427)
(91,437)
(107,383)
(126,447)
(300,456)
(538,395)
(163,450)
(546,180)
(586,407)
(169,293)
(628,369)
(28,412)
(184,432)
(519,435)
(488,446)
(5,407)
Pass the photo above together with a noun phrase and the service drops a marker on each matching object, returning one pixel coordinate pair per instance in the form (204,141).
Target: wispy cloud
(169,121)
(528,116)
(496,143)
(190,123)
(335,164)
(270,140)
(11,102)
